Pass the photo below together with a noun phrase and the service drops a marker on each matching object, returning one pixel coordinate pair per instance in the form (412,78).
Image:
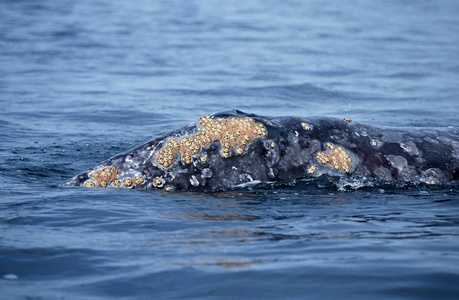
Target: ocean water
(81,81)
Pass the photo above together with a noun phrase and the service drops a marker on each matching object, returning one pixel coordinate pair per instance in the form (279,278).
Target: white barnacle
(206,172)
(194,181)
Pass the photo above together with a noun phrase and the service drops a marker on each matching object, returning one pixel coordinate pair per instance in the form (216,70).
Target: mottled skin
(291,150)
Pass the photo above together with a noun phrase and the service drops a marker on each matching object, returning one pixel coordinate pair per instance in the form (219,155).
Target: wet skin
(232,148)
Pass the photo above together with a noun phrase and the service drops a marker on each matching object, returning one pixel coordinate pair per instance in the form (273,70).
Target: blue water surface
(81,81)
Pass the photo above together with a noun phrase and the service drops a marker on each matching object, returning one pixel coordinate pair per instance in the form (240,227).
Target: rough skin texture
(233,148)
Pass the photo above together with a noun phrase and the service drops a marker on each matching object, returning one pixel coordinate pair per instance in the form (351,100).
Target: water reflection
(226,263)
(255,229)
(246,206)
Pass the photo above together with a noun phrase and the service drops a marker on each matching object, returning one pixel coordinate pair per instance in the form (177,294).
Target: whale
(234,149)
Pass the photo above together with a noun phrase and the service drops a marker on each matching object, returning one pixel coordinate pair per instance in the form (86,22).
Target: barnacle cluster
(232,133)
(337,158)
(109,175)
(102,177)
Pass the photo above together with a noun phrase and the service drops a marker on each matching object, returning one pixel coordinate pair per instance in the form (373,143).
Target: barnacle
(128,182)
(158,182)
(187,159)
(90,184)
(306,126)
(270,145)
(139,180)
(312,169)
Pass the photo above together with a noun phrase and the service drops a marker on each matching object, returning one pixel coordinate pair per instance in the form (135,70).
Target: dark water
(81,81)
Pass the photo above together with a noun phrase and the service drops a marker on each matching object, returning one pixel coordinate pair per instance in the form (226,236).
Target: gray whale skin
(235,149)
